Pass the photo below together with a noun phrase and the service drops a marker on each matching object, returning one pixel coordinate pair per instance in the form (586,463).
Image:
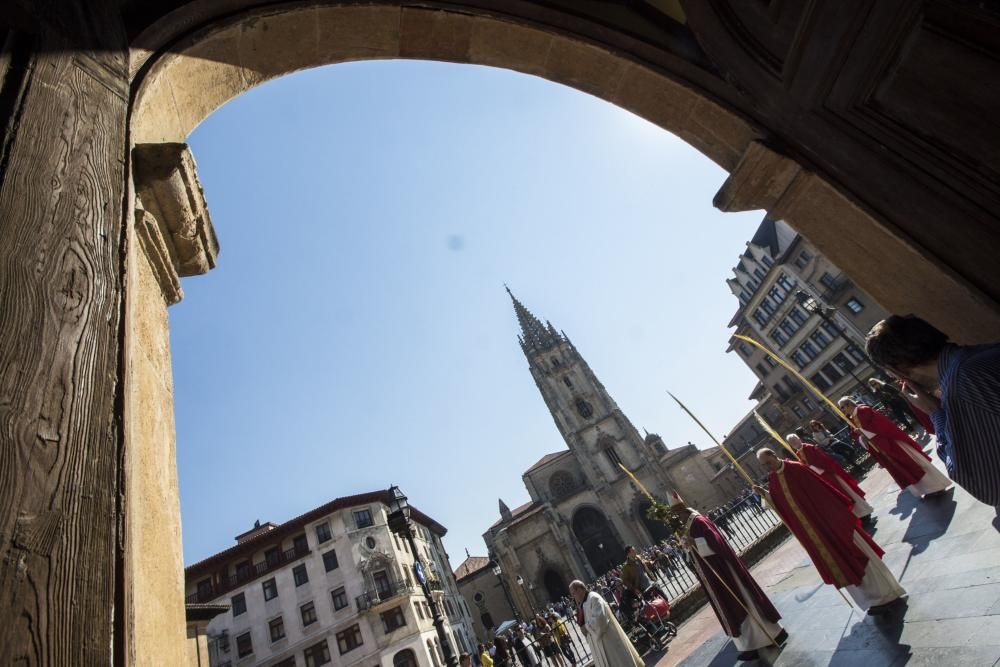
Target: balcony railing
(222,586)
(373,597)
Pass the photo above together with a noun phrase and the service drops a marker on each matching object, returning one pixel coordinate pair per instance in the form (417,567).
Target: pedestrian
(503,656)
(522,647)
(958,386)
(547,641)
(743,609)
(465,660)
(892,399)
(895,451)
(609,644)
(562,637)
(485,659)
(821,519)
(824,466)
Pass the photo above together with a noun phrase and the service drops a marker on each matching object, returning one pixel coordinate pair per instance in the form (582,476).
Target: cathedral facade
(584,509)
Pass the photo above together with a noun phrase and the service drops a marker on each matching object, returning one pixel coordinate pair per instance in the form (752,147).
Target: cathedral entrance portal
(603,549)
(555,585)
(657,530)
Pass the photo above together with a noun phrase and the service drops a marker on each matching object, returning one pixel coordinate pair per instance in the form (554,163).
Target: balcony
(373,599)
(221,586)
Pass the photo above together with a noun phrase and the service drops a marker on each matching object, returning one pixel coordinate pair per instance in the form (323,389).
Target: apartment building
(333,586)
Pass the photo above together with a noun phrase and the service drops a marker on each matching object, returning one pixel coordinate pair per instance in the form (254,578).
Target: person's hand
(920,398)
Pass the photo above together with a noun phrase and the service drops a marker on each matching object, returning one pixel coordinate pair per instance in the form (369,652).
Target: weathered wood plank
(61,295)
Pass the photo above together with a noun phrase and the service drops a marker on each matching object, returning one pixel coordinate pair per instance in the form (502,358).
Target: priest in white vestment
(609,644)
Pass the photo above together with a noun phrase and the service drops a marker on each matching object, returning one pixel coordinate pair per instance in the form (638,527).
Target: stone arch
(405,658)
(600,544)
(555,585)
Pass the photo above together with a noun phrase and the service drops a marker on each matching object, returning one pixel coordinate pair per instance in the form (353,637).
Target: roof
(295,525)
(471,566)
(548,458)
(766,236)
(523,509)
(680,452)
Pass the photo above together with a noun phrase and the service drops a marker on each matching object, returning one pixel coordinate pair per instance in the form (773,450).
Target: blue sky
(356,332)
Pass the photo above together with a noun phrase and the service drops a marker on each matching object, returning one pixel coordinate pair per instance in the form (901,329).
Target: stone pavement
(946,553)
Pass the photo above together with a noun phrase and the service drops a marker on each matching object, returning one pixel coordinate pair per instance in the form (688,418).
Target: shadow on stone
(930,521)
(875,641)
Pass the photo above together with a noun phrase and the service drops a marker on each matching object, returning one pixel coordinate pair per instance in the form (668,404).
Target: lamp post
(527,596)
(817,307)
(497,571)
(399,523)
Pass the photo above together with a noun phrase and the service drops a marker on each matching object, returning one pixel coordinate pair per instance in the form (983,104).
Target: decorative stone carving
(759,181)
(167,184)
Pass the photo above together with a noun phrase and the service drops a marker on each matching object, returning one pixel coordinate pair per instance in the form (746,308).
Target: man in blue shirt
(958,386)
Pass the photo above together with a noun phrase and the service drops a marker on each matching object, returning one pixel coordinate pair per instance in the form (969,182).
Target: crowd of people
(933,387)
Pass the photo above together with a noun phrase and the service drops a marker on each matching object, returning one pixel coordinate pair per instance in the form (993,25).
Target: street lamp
(817,307)
(495,566)
(399,523)
(531,606)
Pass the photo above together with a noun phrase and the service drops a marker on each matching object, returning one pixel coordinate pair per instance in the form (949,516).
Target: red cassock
(886,445)
(820,517)
(832,471)
(725,562)
(923,418)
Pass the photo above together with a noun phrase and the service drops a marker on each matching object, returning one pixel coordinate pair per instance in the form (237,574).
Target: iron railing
(372,597)
(222,585)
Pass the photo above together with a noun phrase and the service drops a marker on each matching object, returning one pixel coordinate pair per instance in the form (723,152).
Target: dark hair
(903,342)
(629,548)
(464,657)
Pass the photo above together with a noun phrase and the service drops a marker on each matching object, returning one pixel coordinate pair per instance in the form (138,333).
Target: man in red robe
(743,610)
(895,451)
(826,467)
(821,519)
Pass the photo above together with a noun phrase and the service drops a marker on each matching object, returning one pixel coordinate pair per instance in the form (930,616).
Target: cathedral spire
(535,336)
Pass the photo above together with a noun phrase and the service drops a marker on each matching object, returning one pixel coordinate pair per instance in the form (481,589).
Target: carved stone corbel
(759,181)
(172,221)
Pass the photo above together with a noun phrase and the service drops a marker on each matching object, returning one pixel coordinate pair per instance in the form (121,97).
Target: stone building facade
(584,509)
(484,592)
(332,586)
(805,309)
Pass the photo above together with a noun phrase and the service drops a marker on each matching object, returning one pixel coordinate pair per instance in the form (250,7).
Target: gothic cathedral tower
(596,431)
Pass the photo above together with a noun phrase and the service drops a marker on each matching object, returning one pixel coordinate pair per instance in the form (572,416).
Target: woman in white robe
(609,644)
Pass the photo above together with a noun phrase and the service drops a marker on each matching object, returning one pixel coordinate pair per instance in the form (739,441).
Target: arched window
(561,484)
(433,653)
(405,658)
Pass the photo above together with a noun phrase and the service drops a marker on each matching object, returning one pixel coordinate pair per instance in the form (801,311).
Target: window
(758,274)
(406,575)
(330,562)
(308,612)
(382,585)
(843,362)
(828,281)
(370,542)
(613,457)
(792,385)
(349,639)
(830,328)
(820,381)
(272,556)
(768,306)
(809,350)
(363,518)
(277,628)
(339,596)
(300,544)
(287,662)
(556,363)
(393,619)
(567,382)
(832,373)
(427,610)
(300,574)
(766,261)
(244,645)
(808,404)
(420,612)
(855,305)
(779,337)
(797,315)
(803,259)
(788,327)
(780,392)
(584,408)
(405,658)
(239,603)
(317,654)
(323,533)
(820,338)
(777,294)
(760,317)
(785,282)
(762,370)
(205,590)
(745,349)
(243,570)
(770,362)
(854,353)
(798,411)
(270,589)
(799,359)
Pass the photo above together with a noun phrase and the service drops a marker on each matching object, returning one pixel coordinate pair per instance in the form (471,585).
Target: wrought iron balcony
(374,598)
(221,586)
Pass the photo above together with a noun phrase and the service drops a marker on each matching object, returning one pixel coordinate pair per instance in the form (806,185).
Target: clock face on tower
(584,408)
